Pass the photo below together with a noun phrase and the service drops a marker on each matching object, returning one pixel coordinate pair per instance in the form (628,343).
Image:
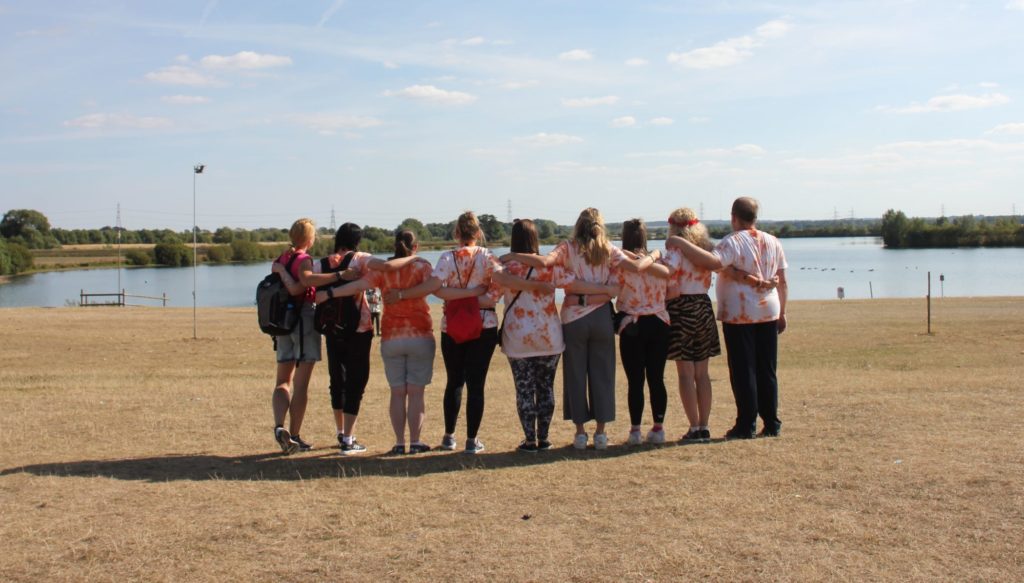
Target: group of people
(661,312)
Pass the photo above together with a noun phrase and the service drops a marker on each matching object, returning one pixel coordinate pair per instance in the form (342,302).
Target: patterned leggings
(535,393)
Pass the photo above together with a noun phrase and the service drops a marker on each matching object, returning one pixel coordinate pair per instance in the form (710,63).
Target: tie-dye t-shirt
(532,327)
(686,278)
(642,294)
(468,267)
(755,252)
(567,255)
(407,318)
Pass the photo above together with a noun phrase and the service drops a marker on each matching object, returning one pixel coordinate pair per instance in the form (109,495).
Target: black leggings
(348,362)
(466,364)
(643,348)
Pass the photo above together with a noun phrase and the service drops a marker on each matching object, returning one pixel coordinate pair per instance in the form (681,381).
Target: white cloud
(1014,129)
(95,121)
(244,60)
(180,75)
(184,99)
(730,51)
(544,139)
(330,123)
(520,84)
(590,101)
(989,84)
(577,167)
(957,102)
(626,121)
(433,95)
(1015,5)
(473,42)
(741,150)
(699,119)
(576,55)
(662,121)
(334,7)
(636,62)
(389,65)
(494,154)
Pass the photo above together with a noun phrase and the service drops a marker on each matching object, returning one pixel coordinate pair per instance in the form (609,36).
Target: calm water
(816,268)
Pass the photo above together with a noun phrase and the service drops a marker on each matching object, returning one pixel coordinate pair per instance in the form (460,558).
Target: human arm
(531,259)
(349,289)
(510,281)
(376,264)
(427,287)
(783,288)
(695,254)
(290,283)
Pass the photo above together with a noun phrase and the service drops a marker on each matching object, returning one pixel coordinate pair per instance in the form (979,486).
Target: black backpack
(337,318)
(276,310)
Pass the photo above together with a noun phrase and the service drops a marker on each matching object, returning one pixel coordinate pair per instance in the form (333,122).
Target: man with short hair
(752,316)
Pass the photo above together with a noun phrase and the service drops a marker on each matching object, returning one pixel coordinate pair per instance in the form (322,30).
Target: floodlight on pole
(197,169)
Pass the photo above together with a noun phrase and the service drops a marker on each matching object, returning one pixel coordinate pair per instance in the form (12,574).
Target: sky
(383,110)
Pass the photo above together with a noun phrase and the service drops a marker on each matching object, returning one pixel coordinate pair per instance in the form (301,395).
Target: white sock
(347,439)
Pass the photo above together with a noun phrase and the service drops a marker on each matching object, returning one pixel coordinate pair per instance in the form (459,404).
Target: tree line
(899,232)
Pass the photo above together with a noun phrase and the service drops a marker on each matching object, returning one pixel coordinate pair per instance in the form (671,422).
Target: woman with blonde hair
(464,272)
(298,351)
(588,372)
(693,334)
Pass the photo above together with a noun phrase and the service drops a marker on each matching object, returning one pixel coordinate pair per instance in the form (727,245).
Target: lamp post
(197,169)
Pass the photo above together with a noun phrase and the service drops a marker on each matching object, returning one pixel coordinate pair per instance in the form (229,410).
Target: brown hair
(467,228)
(634,236)
(524,237)
(683,222)
(745,209)
(405,240)
(589,235)
(302,234)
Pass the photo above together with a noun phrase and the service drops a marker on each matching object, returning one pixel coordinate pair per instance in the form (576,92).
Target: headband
(689,223)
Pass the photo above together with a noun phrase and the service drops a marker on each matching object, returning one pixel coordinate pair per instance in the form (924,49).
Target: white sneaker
(580,441)
(600,441)
(636,438)
(657,437)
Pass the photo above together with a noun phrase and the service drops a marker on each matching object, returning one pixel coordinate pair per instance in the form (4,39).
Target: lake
(817,267)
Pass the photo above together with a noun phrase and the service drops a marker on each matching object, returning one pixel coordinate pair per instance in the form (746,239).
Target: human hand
(781,324)
(277,268)
(545,287)
(391,296)
(334,260)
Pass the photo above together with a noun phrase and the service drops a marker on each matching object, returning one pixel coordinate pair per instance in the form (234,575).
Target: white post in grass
(197,169)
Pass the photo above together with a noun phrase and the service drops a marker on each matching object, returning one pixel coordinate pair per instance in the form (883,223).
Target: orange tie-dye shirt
(473,262)
(407,318)
(567,255)
(642,294)
(755,252)
(532,327)
(686,279)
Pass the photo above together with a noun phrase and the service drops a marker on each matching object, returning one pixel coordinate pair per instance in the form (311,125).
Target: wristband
(337,276)
(582,301)
(399,295)
(330,293)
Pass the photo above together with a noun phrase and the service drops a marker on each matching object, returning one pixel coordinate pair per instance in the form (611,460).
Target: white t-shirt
(532,327)
(758,253)
(567,255)
(686,279)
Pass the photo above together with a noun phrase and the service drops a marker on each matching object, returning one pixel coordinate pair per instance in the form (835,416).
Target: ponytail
(590,237)
(404,242)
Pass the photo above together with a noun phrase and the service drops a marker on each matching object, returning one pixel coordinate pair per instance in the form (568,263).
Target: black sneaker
(398,450)
(448,442)
(527,447)
(474,446)
(352,448)
(284,439)
(418,447)
(543,445)
(768,433)
(737,433)
(692,436)
(303,446)
(705,435)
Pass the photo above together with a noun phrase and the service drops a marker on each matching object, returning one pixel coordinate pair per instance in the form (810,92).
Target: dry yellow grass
(131,451)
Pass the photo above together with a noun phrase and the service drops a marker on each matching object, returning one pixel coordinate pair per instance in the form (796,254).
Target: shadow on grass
(319,463)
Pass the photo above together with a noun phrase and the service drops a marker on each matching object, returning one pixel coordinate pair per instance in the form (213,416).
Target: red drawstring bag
(462,317)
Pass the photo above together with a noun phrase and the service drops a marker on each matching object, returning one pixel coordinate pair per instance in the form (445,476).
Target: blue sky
(387,109)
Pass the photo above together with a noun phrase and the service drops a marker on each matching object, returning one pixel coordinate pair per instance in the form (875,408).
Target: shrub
(172,254)
(219,253)
(138,257)
(245,251)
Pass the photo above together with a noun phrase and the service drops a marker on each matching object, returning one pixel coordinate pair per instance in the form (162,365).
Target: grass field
(132,452)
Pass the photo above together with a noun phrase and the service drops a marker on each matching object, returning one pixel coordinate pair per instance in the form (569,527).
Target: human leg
(655,335)
(300,396)
(703,383)
(357,374)
(575,405)
(454,356)
(739,346)
(545,381)
(688,391)
(336,357)
(767,382)
(631,352)
(415,411)
(281,399)
(478,362)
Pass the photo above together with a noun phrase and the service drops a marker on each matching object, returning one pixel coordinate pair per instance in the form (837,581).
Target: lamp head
(199,168)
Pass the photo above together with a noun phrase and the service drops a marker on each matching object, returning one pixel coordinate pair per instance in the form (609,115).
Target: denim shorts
(408,361)
(303,344)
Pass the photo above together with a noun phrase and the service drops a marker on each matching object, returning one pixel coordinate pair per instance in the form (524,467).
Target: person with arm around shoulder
(752,317)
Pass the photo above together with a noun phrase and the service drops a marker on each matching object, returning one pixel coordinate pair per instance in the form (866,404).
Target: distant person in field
(348,359)
(752,317)
(373,299)
(299,351)
(588,365)
(407,345)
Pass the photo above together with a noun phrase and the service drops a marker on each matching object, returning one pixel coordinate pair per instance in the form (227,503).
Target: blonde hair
(467,228)
(683,222)
(591,238)
(302,233)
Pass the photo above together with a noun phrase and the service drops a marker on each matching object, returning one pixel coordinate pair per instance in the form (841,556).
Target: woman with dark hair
(407,338)
(643,333)
(589,363)
(464,272)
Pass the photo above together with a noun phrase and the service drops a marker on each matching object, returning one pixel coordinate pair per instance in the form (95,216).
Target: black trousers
(753,351)
(643,348)
(466,364)
(348,362)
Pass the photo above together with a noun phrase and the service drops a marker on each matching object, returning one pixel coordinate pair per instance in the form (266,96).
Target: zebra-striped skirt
(693,334)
